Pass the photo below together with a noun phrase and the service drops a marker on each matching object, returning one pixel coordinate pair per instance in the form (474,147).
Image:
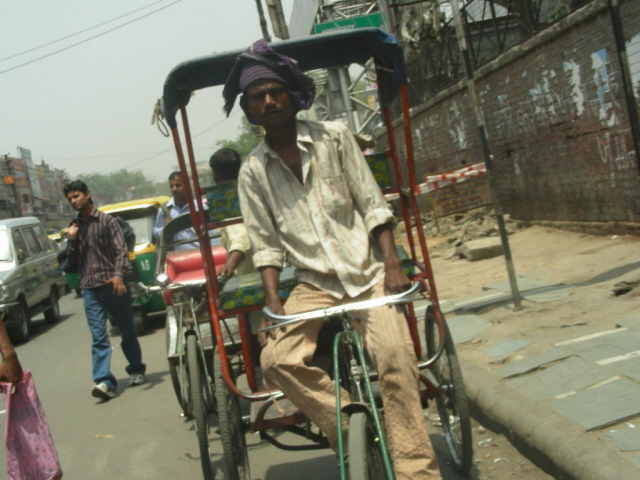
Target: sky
(88,108)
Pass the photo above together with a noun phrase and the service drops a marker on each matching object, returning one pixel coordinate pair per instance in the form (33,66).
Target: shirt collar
(303,137)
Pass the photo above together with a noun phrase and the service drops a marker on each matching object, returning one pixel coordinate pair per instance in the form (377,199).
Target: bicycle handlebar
(283,320)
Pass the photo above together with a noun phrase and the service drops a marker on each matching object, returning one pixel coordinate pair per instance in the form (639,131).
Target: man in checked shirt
(308,190)
(97,246)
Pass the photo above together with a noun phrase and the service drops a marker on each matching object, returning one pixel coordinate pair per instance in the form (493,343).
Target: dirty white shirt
(326,222)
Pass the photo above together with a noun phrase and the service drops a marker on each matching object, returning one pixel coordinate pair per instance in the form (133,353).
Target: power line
(77,33)
(88,39)
(95,157)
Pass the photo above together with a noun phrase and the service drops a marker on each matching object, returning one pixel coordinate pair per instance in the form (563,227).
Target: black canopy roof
(326,50)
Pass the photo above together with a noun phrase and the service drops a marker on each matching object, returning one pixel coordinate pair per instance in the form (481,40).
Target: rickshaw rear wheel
(451,402)
(198,405)
(234,444)
(366,461)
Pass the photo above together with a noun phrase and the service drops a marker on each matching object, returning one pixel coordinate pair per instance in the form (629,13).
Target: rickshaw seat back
(222,201)
(187,265)
(379,165)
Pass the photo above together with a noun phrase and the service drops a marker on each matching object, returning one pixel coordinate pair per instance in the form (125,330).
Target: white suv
(31,281)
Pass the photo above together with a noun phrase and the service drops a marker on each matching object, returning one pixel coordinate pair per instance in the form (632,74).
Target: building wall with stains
(557,122)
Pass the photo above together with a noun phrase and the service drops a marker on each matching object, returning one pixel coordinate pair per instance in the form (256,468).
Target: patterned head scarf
(260,62)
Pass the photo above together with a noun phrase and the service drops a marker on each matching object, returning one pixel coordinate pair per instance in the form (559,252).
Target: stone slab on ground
(600,406)
(505,347)
(481,249)
(465,327)
(630,323)
(629,367)
(604,345)
(626,440)
(482,299)
(564,377)
(548,294)
(525,284)
(534,362)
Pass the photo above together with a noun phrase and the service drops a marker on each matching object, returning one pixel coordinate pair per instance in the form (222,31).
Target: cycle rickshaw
(236,350)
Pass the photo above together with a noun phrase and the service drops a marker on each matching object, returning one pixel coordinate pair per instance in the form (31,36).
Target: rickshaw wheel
(198,405)
(366,461)
(175,374)
(139,320)
(234,444)
(452,401)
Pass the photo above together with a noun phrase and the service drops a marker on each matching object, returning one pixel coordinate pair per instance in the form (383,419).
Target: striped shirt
(324,222)
(99,249)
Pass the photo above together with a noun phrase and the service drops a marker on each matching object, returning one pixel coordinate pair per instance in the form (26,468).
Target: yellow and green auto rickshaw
(141,216)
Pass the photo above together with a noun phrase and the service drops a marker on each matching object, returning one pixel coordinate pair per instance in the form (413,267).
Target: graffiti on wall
(574,95)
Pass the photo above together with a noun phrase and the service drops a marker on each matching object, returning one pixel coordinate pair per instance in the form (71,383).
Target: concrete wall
(557,122)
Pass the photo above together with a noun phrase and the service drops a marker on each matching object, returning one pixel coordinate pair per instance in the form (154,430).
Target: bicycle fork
(348,344)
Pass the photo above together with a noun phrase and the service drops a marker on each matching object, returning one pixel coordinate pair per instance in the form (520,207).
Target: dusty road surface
(583,271)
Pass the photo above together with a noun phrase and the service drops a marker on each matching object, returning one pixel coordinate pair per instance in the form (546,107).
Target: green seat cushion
(243,291)
(222,200)
(380,169)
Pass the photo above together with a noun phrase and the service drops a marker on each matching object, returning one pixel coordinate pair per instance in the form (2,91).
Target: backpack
(129,234)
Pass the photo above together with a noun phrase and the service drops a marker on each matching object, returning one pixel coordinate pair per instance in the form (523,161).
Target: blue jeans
(96,303)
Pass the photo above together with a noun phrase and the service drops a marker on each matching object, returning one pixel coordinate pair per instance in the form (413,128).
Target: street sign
(371,20)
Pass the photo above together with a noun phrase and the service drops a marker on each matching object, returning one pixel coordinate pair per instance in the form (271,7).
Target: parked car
(31,281)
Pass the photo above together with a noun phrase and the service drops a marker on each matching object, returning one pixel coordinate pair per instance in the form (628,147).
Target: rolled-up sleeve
(258,220)
(366,193)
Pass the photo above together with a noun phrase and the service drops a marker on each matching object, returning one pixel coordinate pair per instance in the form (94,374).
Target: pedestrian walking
(97,246)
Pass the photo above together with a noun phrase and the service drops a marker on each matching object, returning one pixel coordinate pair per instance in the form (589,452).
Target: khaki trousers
(386,337)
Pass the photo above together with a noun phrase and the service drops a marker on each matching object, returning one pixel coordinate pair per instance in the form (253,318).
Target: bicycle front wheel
(366,461)
(451,401)
(234,445)
(198,405)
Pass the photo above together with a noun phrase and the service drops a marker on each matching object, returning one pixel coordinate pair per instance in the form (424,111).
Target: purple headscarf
(260,62)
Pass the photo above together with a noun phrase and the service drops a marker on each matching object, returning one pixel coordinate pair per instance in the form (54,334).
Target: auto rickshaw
(141,216)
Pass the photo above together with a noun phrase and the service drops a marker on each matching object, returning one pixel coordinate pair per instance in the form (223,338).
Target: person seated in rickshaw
(225,165)
(307,190)
(175,207)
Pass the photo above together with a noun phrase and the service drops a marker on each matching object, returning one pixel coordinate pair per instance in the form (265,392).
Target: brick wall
(557,122)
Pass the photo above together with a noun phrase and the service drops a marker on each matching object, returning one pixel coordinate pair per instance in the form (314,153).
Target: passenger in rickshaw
(307,189)
(225,165)
(177,206)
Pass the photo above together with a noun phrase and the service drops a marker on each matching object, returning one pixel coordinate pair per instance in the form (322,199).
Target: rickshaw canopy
(327,50)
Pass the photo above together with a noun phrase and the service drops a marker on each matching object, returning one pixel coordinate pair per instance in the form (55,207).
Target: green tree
(248,139)
(121,185)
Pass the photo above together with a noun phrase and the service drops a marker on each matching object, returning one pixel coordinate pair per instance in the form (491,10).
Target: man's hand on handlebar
(395,280)
(276,307)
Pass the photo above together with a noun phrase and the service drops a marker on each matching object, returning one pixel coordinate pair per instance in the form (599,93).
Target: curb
(555,444)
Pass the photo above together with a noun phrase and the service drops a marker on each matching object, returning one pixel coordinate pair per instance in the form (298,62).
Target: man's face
(269,104)
(79,200)
(177,189)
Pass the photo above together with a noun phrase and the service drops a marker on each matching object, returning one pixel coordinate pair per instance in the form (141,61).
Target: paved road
(140,434)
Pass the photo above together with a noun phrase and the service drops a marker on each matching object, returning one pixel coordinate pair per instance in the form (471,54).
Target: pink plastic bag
(30,452)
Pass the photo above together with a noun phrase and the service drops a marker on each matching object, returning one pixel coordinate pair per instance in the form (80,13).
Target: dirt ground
(592,264)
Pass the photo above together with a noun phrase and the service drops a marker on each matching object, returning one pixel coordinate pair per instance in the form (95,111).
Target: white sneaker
(137,379)
(103,391)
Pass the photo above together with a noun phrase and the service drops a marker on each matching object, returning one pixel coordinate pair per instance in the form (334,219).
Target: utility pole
(263,21)
(488,158)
